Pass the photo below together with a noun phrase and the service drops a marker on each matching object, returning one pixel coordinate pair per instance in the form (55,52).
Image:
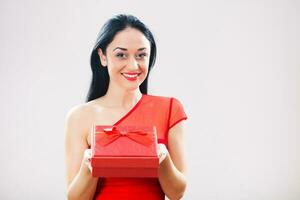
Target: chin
(131,87)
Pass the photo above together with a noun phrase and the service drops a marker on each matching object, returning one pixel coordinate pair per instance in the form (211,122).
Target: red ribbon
(109,135)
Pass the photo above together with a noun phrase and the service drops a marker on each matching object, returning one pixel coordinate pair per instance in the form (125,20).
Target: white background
(233,64)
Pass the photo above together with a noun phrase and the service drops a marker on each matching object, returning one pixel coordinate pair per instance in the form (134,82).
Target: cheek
(145,70)
(144,65)
(114,66)
(144,75)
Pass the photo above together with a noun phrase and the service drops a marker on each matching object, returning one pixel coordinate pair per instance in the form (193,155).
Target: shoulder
(164,99)
(83,110)
(158,98)
(80,116)
(77,112)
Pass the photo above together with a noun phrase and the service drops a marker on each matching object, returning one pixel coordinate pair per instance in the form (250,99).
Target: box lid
(124,141)
(128,162)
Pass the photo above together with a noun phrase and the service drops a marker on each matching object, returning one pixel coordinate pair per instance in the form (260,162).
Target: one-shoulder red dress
(161,112)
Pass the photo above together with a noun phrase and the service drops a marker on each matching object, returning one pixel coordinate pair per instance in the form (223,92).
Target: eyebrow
(124,49)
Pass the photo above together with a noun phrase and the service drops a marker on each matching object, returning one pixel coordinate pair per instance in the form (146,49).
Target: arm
(80,183)
(171,172)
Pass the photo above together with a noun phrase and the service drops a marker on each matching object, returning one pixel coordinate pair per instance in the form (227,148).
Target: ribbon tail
(145,140)
(107,139)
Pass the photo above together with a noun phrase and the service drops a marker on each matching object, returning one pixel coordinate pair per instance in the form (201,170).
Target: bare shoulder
(84,110)
(79,118)
(76,113)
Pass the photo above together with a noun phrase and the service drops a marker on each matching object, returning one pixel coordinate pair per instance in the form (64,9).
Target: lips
(131,76)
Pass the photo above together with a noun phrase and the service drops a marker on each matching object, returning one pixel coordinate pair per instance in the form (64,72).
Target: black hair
(100,78)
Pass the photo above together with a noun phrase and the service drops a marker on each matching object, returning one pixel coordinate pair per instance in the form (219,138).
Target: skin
(128,52)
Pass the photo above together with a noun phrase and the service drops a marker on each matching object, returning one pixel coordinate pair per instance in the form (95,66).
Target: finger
(90,167)
(162,152)
(87,154)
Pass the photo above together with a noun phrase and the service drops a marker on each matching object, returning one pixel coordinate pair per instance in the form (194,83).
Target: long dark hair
(100,78)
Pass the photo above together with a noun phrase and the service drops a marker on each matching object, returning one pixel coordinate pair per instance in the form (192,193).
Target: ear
(102,57)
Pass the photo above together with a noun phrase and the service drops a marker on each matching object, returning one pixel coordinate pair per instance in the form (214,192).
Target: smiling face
(127,59)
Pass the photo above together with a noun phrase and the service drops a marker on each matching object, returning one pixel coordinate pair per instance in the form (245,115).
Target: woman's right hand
(87,159)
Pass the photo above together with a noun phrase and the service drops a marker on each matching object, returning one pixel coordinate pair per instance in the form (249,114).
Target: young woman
(121,60)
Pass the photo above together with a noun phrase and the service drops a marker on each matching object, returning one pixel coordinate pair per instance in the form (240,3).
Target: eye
(142,55)
(120,55)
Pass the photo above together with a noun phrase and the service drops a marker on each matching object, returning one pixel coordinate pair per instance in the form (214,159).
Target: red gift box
(124,151)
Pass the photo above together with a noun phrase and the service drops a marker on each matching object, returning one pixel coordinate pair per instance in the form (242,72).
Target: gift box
(124,151)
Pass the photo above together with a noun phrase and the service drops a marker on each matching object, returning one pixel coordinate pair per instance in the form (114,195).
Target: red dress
(161,112)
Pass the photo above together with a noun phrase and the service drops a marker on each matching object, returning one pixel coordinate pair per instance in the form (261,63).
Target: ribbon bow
(109,135)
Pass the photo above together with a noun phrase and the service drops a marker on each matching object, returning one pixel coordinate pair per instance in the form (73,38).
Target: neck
(117,97)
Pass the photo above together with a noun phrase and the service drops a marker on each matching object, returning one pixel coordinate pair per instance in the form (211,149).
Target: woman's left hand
(162,152)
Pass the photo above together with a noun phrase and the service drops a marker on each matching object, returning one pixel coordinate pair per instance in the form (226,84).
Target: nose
(132,64)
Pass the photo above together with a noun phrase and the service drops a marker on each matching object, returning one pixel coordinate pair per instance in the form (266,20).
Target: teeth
(130,76)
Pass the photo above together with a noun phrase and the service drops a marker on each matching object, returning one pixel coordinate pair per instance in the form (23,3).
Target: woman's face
(127,59)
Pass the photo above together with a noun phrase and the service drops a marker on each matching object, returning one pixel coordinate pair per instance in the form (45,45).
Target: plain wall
(233,64)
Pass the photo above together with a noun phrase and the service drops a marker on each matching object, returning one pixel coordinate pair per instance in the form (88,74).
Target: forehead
(130,38)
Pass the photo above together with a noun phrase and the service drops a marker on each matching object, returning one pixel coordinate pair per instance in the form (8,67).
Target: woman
(121,60)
